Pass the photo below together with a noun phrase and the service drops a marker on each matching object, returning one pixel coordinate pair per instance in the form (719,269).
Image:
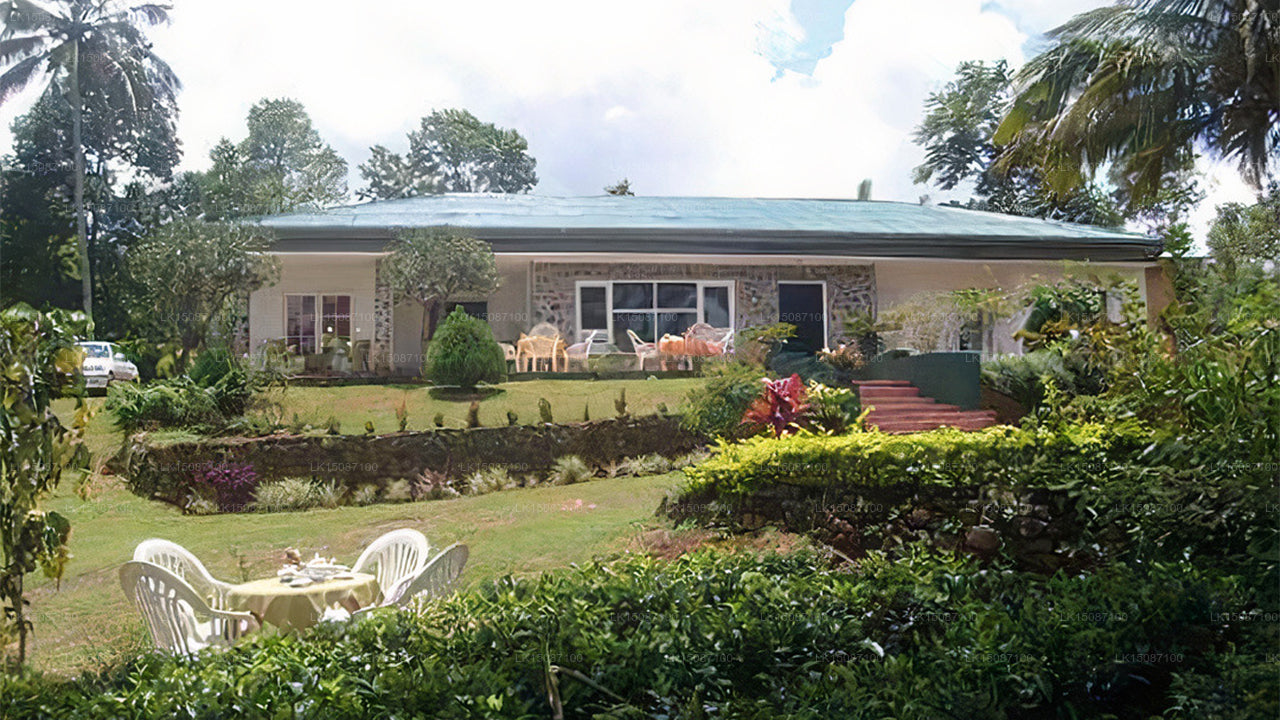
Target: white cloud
(674,95)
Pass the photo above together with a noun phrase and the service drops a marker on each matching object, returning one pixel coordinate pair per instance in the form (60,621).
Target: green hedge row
(1005,456)
(722,635)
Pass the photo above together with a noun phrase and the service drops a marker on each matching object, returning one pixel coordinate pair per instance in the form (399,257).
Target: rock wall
(850,288)
(1034,525)
(164,472)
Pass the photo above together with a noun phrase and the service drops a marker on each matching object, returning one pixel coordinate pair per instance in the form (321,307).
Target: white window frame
(319,321)
(826,307)
(608,301)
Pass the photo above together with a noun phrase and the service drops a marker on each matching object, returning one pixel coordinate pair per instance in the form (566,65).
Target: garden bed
(166,471)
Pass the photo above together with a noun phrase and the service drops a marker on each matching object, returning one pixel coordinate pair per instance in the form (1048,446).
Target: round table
(294,608)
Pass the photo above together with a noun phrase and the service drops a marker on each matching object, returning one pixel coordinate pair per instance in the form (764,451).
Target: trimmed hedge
(1002,455)
(717,635)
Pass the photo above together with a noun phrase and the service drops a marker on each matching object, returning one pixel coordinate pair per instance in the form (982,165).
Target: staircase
(900,408)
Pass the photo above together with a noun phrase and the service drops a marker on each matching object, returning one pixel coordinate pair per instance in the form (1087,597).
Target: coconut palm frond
(20,75)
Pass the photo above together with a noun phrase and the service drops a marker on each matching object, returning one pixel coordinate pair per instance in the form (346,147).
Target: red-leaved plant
(781,406)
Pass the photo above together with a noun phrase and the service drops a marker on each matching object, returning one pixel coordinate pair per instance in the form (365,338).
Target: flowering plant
(781,406)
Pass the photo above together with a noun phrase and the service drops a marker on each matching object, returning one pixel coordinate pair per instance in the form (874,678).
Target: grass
(353,406)
(88,622)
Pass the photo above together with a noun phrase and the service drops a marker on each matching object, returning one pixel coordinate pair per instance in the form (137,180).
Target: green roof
(706,225)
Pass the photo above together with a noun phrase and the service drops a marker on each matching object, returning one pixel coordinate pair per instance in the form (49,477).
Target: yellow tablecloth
(295,608)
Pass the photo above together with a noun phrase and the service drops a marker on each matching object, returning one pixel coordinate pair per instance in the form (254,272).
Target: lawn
(355,405)
(87,622)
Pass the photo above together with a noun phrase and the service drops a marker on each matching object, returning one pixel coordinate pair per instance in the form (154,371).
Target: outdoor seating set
(543,343)
(186,609)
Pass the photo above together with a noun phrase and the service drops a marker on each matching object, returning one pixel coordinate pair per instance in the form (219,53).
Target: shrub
(544,411)
(568,470)
(438,420)
(652,464)
(402,414)
(512,417)
(621,403)
(464,353)
(288,494)
(716,409)
(490,479)
(364,495)
(781,407)
(211,366)
(831,410)
(1002,455)
(473,414)
(758,636)
(586,412)
(230,486)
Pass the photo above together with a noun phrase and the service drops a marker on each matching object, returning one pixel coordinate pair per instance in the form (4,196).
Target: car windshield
(97,351)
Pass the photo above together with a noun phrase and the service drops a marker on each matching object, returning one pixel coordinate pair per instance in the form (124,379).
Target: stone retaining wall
(164,471)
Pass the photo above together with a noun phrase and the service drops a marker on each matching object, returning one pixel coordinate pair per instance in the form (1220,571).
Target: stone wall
(164,471)
(850,288)
(1035,526)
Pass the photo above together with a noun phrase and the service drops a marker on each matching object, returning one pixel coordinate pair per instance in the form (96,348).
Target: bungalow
(657,265)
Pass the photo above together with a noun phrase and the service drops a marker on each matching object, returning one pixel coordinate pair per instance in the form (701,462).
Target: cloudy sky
(768,98)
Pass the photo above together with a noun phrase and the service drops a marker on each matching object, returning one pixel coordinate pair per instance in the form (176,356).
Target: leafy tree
(956,134)
(38,362)
(432,265)
(282,165)
(622,187)
(190,271)
(464,353)
(129,159)
(452,151)
(1142,84)
(1245,234)
(84,46)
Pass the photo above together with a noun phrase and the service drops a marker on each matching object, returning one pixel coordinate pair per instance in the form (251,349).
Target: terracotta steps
(900,408)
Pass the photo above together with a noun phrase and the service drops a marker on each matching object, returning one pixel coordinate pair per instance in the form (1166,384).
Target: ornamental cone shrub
(464,353)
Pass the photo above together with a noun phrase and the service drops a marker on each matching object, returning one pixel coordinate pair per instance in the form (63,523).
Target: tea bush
(733,635)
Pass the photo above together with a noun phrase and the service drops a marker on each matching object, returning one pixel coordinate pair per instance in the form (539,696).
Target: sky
(740,98)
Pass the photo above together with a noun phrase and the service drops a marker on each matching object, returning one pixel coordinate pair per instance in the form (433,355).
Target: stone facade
(850,288)
(383,325)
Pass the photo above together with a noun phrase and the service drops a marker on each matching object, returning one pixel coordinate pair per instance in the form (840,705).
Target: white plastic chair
(179,620)
(644,350)
(582,351)
(181,562)
(435,580)
(394,557)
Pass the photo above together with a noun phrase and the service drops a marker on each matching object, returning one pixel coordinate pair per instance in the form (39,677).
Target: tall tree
(452,151)
(1247,234)
(434,265)
(957,133)
(190,270)
(84,44)
(1142,84)
(282,165)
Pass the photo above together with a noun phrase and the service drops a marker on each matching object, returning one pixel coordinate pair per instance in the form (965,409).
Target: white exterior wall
(898,281)
(318,274)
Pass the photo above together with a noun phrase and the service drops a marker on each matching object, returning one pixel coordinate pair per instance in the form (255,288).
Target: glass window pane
(670,323)
(336,316)
(677,295)
(595,314)
(300,323)
(632,296)
(715,306)
(640,322)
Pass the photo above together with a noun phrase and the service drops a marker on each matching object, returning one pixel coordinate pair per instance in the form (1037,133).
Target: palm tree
(1143,85)
(78,44)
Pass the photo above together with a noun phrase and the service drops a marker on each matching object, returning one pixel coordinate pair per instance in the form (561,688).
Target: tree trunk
(82,235)
(20,617)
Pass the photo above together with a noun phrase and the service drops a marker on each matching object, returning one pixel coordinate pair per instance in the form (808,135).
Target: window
(312,318)
(652,309)
(479,310)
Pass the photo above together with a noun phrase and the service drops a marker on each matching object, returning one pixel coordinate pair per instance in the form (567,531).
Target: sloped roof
(707,225)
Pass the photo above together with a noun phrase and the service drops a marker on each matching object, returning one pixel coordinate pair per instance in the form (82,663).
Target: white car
(105,364)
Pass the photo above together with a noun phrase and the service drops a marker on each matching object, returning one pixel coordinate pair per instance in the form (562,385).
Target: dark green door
(801,304)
